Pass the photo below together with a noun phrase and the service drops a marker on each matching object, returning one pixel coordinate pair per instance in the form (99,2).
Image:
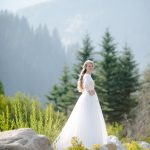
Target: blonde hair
(83,71)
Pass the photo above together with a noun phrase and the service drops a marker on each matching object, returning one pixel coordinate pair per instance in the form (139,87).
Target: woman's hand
(91,92)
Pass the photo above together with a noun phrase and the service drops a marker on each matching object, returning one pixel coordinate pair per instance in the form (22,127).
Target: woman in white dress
(86,121)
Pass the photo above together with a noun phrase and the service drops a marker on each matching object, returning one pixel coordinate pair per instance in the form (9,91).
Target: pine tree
(1,88)
(62,94)
(116,80)
(84,54)
(128,84)
(106,76)
(54,96)
(67,97)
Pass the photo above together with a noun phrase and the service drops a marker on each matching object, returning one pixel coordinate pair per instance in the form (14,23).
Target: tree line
(27,55)
(116,78)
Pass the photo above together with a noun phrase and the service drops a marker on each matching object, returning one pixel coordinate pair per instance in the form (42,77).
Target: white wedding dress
(86,121)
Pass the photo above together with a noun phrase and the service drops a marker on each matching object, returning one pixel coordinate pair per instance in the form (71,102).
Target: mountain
(31,60)
(127,20)
(35,45)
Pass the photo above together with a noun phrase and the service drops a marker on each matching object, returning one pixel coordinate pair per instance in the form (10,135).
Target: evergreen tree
(1,88)
(54,96)
(35,45)
(128,77)
(84,54)
(62,94)
(116,80)
(106,76)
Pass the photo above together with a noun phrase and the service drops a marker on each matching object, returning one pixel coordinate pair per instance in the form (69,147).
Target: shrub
(76,144)
(115,129)
(21,111)
(133,146)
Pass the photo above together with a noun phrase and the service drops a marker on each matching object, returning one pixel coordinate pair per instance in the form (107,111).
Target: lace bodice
(88,83)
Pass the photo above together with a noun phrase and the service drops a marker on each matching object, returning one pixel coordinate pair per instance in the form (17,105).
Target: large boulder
(113,143)
(23,139)
(144,144)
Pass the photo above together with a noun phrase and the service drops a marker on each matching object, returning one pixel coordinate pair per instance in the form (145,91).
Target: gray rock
(23,139)
(104,147)
(114,140)
(144,144)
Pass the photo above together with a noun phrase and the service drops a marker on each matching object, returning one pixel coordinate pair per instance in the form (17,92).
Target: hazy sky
(14,5)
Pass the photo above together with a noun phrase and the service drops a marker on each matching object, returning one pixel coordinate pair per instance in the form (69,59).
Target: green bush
(21,111)
(76,144)
(115,129)
(133,146)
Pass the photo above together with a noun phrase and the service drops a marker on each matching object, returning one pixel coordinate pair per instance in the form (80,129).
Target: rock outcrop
(115,144)
(23,139)
(27,139)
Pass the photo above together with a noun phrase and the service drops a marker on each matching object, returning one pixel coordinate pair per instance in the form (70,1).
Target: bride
(86,121)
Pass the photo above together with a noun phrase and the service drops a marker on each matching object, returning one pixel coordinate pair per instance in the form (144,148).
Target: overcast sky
(14,5)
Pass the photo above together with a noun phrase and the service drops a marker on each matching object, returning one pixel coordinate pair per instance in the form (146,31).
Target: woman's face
(89,67)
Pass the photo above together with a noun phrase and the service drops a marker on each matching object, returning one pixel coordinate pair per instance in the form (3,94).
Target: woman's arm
(87,84)
(91,92)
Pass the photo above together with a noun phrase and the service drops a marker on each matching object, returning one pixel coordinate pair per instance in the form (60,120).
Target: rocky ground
(27,139)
